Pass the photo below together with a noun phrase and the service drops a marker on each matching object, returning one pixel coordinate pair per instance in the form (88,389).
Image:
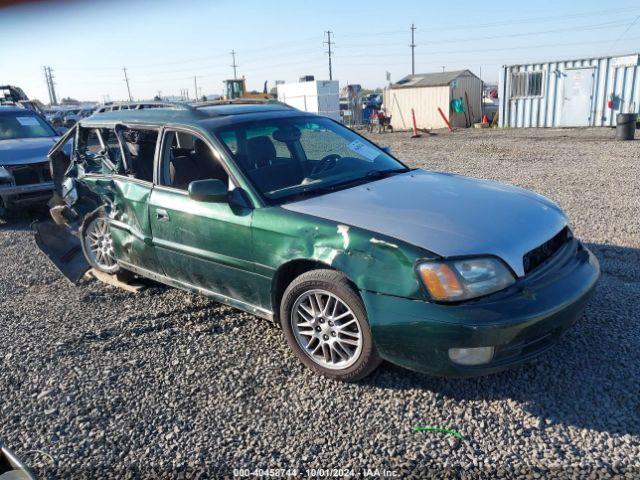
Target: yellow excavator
(237,88)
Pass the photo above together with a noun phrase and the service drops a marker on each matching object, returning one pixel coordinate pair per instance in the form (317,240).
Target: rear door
(202,245)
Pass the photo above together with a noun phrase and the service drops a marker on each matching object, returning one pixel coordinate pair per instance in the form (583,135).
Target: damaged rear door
(106,175)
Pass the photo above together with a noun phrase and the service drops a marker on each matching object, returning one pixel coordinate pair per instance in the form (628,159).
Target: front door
(200,244)
(577,98)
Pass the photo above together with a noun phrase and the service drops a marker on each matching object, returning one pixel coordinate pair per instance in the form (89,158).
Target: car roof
(14,109)
(205,115)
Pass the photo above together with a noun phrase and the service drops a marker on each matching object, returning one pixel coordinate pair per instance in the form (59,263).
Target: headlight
(69,192)
(457,280)
(5,175)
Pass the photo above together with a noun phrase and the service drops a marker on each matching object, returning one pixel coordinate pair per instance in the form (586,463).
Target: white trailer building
(316,96)
(426,92)
(569,93)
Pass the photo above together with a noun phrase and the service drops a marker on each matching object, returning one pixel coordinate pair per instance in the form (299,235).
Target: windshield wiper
(383,173)
(370,175)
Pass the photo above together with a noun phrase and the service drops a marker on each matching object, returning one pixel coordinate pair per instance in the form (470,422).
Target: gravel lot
(96,382)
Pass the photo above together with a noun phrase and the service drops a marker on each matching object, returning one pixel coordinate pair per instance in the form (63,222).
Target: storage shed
(425,92)
(569,93)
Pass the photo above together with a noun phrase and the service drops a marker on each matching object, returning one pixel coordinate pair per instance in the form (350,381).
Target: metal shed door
(576,102)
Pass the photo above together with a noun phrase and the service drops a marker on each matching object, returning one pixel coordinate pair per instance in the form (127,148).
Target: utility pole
(443,68)
(195,87)
(328,42)
(126,79)
(46,78)
(53,100)
(413,48)
(53,87)
(233,64)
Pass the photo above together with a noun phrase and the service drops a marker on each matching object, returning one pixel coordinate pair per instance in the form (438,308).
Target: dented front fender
(372,262)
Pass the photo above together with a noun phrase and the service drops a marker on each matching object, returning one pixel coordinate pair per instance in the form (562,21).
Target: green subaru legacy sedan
(298,219)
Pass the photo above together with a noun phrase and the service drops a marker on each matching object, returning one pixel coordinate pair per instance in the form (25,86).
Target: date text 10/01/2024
(315,472)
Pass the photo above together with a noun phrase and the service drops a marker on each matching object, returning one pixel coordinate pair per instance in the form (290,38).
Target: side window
(230,140)
(282,151)
(110,141)
(141,148)
(186,158)
(92,151)
(93,143)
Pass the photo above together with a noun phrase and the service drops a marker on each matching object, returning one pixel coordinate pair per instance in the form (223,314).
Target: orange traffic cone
(485,120)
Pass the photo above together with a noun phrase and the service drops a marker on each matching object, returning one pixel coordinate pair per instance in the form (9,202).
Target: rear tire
(325,324)
(97,244)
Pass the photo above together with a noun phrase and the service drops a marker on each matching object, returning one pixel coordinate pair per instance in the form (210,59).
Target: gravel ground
(99,383)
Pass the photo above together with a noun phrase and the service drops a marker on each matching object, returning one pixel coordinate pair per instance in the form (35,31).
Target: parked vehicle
(56,118)
(110,107)
(372,100)
(25,139)
(295,218)
(71,116)
(11,95)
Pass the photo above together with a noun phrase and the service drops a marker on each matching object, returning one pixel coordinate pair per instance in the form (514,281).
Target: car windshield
(286,158)
(23,125)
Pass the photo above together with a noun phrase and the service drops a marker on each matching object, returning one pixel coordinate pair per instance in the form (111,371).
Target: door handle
(162,215)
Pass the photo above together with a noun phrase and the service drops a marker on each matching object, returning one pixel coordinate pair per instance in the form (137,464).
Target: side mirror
(386,149)
(208,191)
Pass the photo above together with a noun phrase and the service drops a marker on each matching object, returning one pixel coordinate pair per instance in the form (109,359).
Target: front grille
(541,254)
(31,174)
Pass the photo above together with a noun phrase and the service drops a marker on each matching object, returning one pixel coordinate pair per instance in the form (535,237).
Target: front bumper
(520,322)
(26,194)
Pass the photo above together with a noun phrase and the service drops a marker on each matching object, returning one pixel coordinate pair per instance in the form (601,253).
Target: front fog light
(471,356)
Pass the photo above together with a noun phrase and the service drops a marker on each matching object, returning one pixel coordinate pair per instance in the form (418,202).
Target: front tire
(97,244)
(325,324)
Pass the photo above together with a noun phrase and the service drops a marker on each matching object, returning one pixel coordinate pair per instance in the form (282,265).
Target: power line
(595,13)
(596,26)
(624,33)
(288,45)
(413,48)
(126,79)
(153,77)
(328,42)
(504,60)
(233,64)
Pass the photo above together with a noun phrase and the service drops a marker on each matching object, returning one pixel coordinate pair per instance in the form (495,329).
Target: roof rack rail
(237,101)
(155,103)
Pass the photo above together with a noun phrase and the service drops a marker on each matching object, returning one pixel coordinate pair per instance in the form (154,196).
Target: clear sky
(164,43)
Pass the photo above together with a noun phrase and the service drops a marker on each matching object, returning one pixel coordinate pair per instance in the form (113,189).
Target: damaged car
(25,139)
(297,219)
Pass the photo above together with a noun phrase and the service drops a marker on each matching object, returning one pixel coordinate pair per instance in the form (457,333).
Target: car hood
(449,215)
(20,151)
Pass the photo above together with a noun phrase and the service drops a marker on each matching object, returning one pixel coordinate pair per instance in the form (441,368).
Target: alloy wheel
(326,329)
(99,245)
